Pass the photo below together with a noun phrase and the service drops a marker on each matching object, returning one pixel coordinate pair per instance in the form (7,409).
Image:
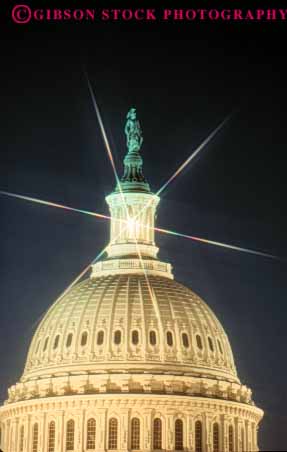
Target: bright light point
(132,226)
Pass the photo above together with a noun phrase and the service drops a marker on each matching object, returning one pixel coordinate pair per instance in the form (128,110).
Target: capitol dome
(129,359)
(112,324)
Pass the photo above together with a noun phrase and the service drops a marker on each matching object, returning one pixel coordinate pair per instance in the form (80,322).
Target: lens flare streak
(157,229)
(194,154)
(102,128)
(53,204)
(220,244)
(188,160)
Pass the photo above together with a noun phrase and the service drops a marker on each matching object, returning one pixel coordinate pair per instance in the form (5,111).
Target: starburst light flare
(194,154)
(220,244)
(132,221)
(53,204)
(102,128)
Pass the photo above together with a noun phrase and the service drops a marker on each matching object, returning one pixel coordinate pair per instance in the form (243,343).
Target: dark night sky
(183,79)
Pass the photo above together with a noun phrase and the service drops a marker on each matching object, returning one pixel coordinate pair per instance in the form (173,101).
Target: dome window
(46,344)
(38,346)
(52,437)
(210,343)
(152,338)
(216,437)
(70,435)
(157,434)
(113,433)
(230,439)
(69,340)
(118,337)
(219,346)
(185,340)
(22,433)
(178,435)
(35,438)
(91,434)
(135,434)
(199,342)
(100,338)
(242,440)
(169,339)
(84,339)
(56,342)
(135,337)
(198,437)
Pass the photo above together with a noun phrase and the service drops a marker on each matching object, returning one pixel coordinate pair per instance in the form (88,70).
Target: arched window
(91,434)
(69,340)
(178,435)
(84,339)
(157,434)
(210,343)
(185,340)
(198,436)
(230,439)
(2,434)
(215,437)
(51,437)
(117,337)
(38,346)
(56,341)
(242,440)
(219,346)
(135,337)
(21,446)
(113,433)
(100,338)
(169,339)
(199,342)
(70,435)
(35,438)
(46,344)
(152,337)
(135,434)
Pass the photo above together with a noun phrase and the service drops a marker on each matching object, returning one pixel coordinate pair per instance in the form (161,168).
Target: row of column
(10,431)
(142,228)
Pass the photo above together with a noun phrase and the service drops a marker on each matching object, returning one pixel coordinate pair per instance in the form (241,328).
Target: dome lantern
(133,208)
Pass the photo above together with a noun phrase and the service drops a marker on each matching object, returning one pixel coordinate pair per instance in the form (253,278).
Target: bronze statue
(133,132)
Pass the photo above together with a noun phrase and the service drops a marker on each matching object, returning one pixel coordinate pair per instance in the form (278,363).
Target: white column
(43,439)
(83,430)
(102,428)
(224,433)
(237,434)
(61,432)
(207,433)
(147,431)
(28,433)
(169,432)
(12,436)
(190,433)
(124,429)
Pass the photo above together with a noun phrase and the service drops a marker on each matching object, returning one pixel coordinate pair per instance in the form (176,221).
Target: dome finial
(133,178)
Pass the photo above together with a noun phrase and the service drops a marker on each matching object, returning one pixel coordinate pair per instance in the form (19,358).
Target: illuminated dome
(113,324)
(129,359)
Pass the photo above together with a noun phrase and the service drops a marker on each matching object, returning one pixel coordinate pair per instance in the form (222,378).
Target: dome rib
(124,302)
(95,317)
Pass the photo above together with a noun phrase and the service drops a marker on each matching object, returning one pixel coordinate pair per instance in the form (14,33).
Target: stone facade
(241,418)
